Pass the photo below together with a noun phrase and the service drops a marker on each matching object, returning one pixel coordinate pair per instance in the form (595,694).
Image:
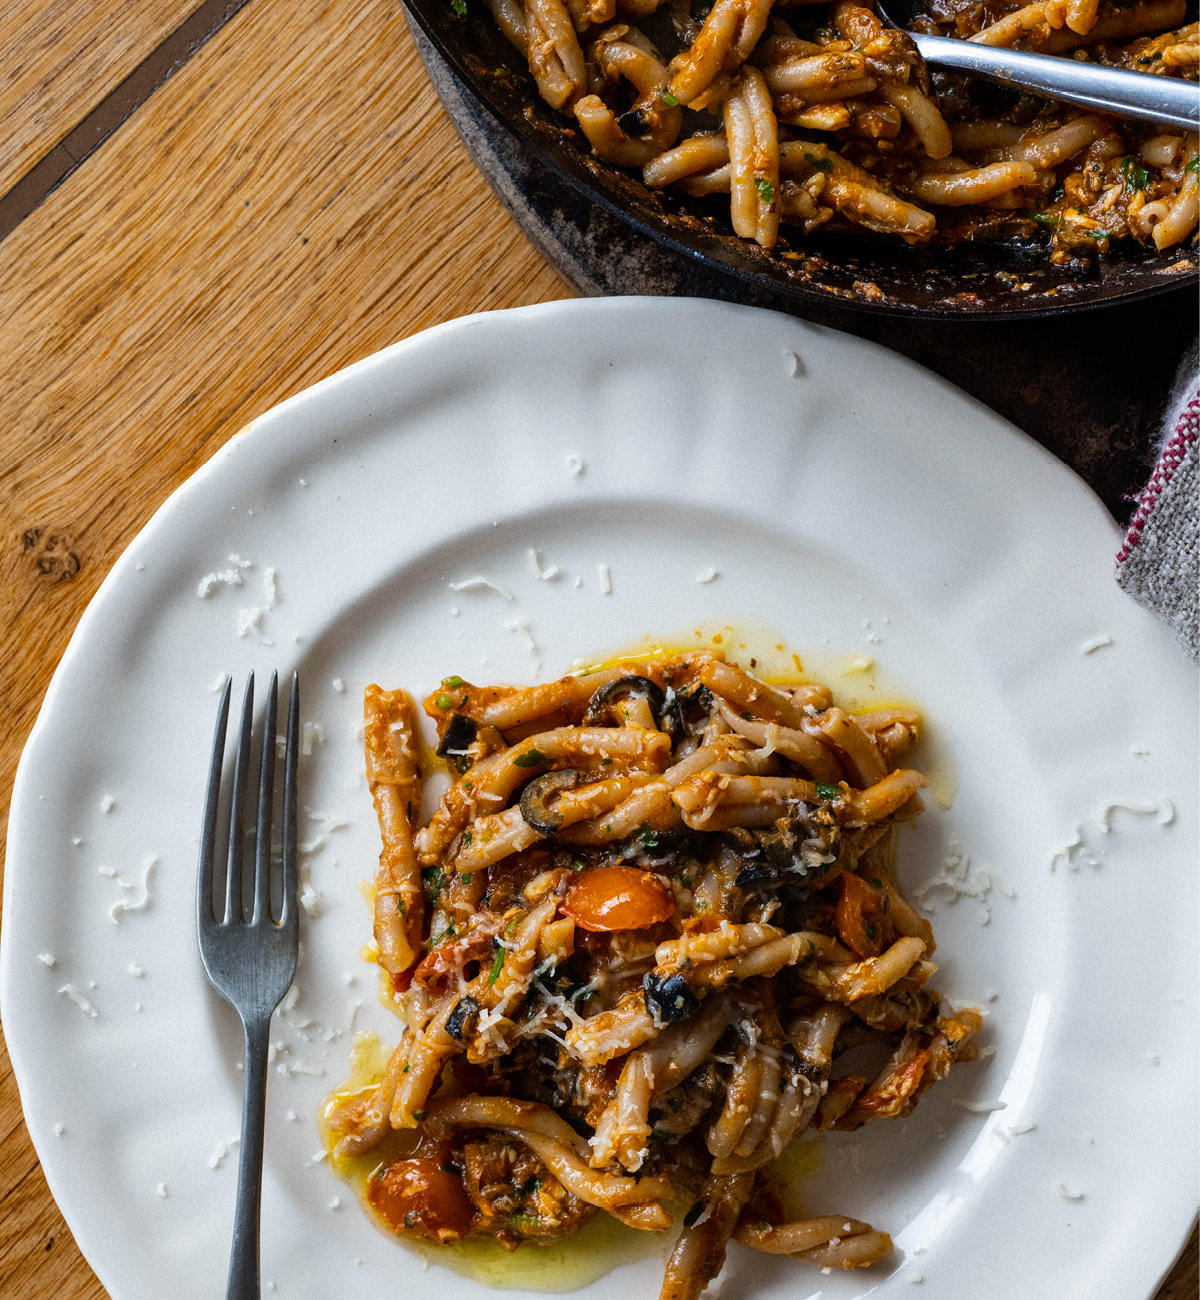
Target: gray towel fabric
(1159,561)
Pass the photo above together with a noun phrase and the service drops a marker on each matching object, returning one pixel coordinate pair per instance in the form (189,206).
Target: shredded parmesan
(59,1130)
(338,685)
(123,905)
(1095,643)
(979,1107)
(313,732)
(708,575)
(162,1190)
(480,583)
(1069,1193)
(535,565)
(47,959)
(249,620)
(605,579)
(270,587)
(107,803)
(576,465)
(1165,812)
(958,879)
(80,1001)
(521,628)
(220,1151)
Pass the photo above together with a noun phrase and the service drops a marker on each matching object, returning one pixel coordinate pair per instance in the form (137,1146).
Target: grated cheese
(135,970)
(270,587)
(338,685)
(605,579)
(220,1151)
(535,565)
(1025,1126)
(708,575)
(960,879)
(521,628)
(1164,811)
(162,1190)
(480,583)
(312,732)
(1095,643)
(47,959)
(59,1130)
(1069,1193)
(249,620)
(107,803)
(80,1001)
(123,905)
(576,465)
(979,1107)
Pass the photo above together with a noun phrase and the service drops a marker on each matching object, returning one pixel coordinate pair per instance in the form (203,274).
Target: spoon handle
(1168,100)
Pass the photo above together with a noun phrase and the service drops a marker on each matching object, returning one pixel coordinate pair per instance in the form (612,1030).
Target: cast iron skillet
(983,280)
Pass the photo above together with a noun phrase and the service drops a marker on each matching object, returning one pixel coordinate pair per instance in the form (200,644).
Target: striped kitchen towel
(1159,561)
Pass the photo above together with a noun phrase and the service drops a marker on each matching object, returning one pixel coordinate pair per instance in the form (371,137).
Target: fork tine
(237,808)
(266,790)
(288,914)
(208,834)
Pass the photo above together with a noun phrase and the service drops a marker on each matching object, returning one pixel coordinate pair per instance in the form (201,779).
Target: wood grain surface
(59,59)
(292,200)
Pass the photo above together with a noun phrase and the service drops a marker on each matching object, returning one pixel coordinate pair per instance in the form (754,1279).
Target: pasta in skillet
(815,114)
(654,907)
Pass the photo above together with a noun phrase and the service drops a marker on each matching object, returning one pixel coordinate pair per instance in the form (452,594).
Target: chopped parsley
(459,7)
(668,99)
(530,758)
(649,837)
(497,966)
(467,838)
(435,939)
(693,1214)
(1136,176)
(827,791)
(766,191)
(466,875)
(821,164)
(434,878)
(606,762)
(419,1115)
(448,1169)
(1193,166)
(1046,218)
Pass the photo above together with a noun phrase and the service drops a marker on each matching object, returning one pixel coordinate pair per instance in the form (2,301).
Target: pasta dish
(813,115)
(654,907)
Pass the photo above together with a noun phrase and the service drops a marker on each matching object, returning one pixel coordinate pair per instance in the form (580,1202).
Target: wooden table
(290,200)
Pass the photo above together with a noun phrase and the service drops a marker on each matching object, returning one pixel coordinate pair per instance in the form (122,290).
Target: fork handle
(243,1258)
(1168,100)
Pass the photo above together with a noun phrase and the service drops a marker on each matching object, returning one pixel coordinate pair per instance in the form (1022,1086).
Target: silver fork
(250,962)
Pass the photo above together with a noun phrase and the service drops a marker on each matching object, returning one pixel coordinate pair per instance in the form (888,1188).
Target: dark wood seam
(116,107)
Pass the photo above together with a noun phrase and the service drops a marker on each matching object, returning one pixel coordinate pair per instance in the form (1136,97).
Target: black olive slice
(670,999)
(460,734)
(638,688)
(458,1019)
(534,798)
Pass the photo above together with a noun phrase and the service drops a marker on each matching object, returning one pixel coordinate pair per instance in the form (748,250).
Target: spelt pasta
(641,939)
(708,100)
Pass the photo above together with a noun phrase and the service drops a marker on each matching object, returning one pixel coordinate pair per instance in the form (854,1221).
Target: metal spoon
(1167,100)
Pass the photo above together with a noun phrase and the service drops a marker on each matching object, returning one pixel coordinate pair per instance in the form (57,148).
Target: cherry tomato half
(617,898)
(862,917)
(422,1198)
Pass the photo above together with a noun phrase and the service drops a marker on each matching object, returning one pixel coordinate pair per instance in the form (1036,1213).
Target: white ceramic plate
(846,498)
